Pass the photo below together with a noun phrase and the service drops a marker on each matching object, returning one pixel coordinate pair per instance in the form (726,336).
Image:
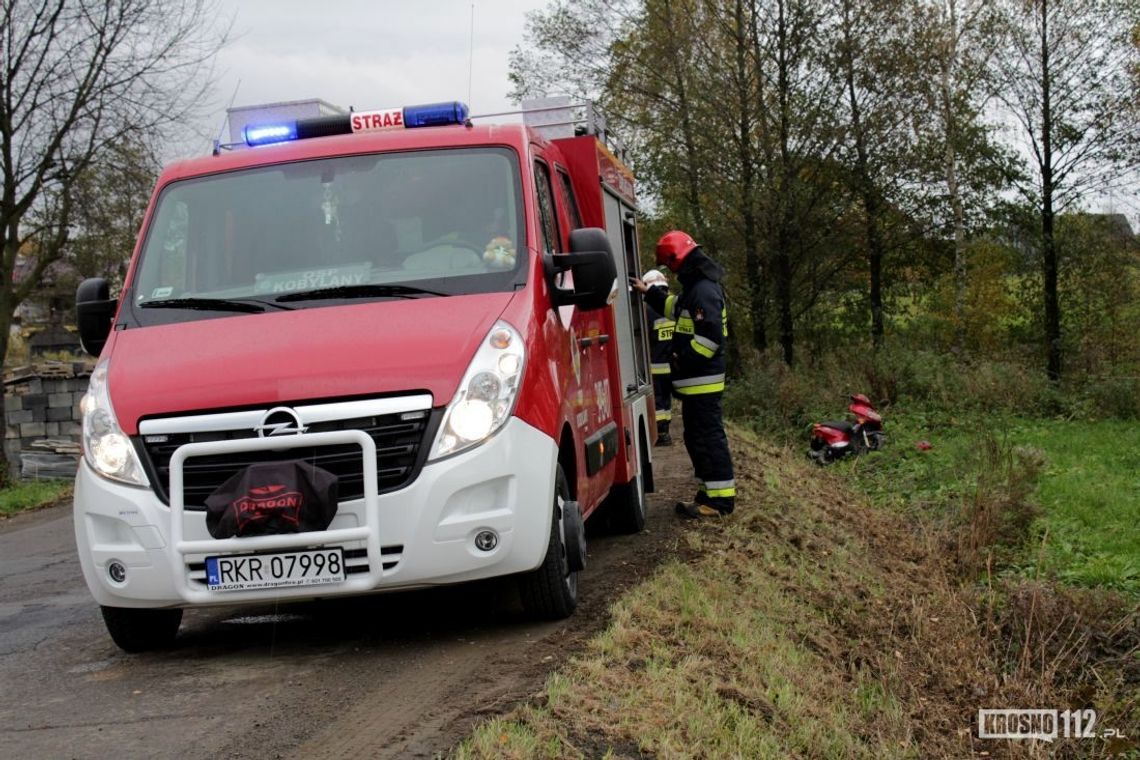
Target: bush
(769,396)
(773,398)
(1114,397)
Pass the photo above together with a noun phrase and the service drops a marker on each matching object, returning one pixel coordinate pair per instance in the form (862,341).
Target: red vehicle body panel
(864,412)
(830,435)
(288,356)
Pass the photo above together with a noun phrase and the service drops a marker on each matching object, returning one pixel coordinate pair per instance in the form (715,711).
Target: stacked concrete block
(42,409)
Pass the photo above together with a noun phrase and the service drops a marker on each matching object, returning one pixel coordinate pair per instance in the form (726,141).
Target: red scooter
(834,439)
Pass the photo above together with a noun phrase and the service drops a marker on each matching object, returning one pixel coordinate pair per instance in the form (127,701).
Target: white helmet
(654,277)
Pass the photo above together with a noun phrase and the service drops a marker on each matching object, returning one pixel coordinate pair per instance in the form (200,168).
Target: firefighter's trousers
(708,449)
(663,401)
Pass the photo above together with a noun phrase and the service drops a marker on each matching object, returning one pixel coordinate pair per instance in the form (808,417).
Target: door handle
(601,340)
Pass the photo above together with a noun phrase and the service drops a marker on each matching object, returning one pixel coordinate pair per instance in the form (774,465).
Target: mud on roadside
(470,653)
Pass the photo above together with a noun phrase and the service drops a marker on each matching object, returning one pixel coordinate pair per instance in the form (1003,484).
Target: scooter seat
(844,425)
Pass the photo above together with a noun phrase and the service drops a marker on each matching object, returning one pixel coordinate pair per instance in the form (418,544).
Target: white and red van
(432,311)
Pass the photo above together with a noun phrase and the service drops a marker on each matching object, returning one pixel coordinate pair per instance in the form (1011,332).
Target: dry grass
(808,625)
(997,513)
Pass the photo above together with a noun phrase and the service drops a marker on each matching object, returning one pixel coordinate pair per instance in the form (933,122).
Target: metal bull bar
(369,532)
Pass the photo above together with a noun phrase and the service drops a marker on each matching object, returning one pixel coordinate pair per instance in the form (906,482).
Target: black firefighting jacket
(702,325)
(660,338)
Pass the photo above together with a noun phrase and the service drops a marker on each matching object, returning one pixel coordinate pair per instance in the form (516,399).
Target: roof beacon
(429,115)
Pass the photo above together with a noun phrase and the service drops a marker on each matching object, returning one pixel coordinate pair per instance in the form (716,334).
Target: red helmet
(673,247)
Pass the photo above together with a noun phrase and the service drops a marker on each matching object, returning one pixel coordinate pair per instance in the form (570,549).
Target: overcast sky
(369,54)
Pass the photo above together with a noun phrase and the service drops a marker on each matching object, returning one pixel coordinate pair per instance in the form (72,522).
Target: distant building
(267,113)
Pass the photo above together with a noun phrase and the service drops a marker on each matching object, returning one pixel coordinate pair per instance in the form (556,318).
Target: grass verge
(26,495)
(1085,486)
(808,625)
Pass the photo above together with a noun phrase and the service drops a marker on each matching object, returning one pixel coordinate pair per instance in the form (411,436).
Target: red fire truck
(430,311)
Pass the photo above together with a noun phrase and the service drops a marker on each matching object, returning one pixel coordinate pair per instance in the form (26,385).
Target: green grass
(32,494)
(811,625)
(1088,489)
(734,653)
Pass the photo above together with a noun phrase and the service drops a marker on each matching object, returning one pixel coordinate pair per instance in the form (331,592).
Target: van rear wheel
(551,591)
(135,630)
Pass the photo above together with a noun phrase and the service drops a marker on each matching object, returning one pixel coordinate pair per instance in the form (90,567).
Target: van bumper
(422,535)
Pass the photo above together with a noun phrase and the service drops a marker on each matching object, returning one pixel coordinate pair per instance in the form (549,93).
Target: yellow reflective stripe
(659,369)
(702,349)
(696,390)
(670,306)
(702,380)
(706,342)
(685,325)
(664,414)
(721,493)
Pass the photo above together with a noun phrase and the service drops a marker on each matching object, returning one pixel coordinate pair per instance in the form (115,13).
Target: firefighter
(661,351)
(697,364)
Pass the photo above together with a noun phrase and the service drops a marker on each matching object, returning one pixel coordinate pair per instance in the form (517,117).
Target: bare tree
(1064,82)
(79,77)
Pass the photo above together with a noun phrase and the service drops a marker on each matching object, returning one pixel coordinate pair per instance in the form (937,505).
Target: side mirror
(94,310)
(591,261)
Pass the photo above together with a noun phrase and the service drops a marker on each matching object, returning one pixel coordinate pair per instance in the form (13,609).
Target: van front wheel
(551,591)
(136,630)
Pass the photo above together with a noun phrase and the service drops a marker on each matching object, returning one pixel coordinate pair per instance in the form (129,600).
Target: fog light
(117,571)
(486,540)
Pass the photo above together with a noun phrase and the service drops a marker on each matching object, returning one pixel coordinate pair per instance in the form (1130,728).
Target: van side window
(550,236)
(571,201)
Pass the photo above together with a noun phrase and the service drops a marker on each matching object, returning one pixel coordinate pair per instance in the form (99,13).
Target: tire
(824,457)
(135,630)
(627,502)
(875,440)
(551,591)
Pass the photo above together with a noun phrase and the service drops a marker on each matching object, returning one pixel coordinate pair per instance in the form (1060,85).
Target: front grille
(398,448)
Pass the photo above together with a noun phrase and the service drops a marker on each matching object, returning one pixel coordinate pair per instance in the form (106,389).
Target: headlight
(105,446)
(486,395)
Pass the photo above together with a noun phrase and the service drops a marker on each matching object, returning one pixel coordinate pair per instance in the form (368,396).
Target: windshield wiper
(359,291)
(249,305)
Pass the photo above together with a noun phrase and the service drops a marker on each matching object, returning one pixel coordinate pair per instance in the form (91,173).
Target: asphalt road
(398,675)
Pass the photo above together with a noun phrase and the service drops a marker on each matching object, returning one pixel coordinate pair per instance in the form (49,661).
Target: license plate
(257,571)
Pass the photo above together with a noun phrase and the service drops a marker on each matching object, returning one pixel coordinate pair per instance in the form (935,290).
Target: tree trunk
(752,262)
(783,255)
(688,136)
(11,234)
(866,190)
(783,266)
(875,249)
(950,120)
(1053,358)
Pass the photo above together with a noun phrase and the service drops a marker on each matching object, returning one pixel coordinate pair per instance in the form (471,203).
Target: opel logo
(280,421)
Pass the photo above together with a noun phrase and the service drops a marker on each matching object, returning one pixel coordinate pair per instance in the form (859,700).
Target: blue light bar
(435,114)
(428,115)
(267,134)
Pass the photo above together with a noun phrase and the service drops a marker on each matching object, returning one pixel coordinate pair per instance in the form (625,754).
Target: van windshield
(400,225)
